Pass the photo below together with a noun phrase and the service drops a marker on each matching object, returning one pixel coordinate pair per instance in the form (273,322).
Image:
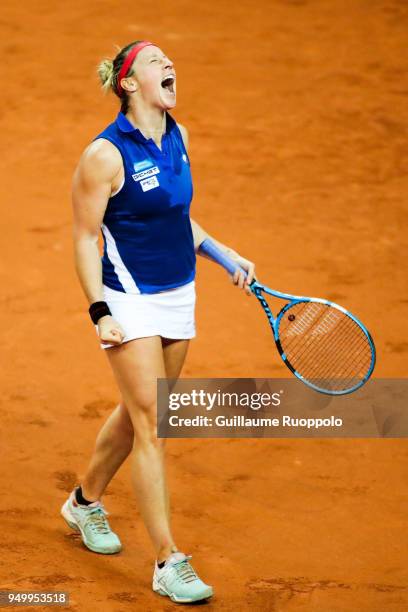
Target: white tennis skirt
(169,314)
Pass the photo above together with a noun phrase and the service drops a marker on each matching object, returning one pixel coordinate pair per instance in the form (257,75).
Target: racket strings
(346,375)
(302,339)
(305,343)
(329,372)
(358,363)
(326,349)
(330,359)
(324,344)
(306,340)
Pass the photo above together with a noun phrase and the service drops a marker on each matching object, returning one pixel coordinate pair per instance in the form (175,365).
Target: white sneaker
(93,525)
(177,580)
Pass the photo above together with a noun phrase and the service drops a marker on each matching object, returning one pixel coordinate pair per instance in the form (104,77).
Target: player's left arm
(199,235)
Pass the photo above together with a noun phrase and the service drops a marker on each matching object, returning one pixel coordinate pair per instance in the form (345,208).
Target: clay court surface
(297,113)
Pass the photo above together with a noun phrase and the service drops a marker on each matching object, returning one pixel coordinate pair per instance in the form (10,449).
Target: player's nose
(167,62)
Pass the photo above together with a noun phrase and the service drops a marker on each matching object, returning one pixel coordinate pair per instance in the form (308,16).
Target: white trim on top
(118,189)
(123,273)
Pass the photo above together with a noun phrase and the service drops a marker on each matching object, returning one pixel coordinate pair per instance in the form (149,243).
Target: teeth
(168,80)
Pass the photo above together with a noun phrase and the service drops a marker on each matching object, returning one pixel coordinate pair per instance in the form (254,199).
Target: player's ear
(130,84)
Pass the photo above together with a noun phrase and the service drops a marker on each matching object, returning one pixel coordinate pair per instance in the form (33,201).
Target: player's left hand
(239,278)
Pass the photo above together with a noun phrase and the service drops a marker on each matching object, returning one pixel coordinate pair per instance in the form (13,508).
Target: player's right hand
(110,331)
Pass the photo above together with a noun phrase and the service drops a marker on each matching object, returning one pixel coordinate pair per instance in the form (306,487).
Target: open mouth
(168,84)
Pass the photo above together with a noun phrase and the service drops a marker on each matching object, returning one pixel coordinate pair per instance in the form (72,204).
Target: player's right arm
(99,166)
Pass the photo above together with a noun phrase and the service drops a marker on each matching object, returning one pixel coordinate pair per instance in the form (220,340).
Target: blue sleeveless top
(146,229)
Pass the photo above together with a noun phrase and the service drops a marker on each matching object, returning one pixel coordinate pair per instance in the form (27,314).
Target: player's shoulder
(102,157)
(102,151)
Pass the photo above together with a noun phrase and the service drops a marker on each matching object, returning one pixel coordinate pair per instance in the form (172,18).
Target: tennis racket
(321,343)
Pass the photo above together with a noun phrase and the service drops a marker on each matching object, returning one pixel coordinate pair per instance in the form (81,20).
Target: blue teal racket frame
(210,249)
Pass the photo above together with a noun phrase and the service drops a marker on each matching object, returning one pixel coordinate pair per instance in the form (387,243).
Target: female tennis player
(133,183)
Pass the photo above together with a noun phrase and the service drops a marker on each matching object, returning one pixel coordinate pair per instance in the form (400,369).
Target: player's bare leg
(137,365)
(113,445)
(115,439)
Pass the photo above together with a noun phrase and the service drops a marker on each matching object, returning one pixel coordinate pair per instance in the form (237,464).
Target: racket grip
(211,250)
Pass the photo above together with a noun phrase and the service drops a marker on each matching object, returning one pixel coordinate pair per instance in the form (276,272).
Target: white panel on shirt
(123,273)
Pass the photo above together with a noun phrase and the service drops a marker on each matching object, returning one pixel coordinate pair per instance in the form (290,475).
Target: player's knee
(145,432)
(125,422)
(144,423)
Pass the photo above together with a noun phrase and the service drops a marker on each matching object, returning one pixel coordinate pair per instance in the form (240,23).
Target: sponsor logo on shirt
(142,165)
(145,173)
(149,183)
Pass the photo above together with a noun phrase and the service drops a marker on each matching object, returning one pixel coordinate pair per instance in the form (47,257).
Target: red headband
(129,61)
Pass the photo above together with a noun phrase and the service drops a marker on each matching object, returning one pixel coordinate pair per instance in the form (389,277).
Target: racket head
(324,345)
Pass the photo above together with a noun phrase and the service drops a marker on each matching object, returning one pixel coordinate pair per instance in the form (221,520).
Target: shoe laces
(97,519)
(184,571)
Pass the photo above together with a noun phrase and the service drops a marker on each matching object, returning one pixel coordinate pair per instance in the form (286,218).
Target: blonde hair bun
(105,73)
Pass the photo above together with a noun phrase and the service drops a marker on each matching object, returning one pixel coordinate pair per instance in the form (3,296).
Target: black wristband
(98,310)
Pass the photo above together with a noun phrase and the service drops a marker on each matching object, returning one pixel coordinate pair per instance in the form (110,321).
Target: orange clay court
(297,113)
